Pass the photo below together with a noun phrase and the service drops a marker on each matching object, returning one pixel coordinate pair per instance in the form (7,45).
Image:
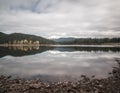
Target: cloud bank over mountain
(61,18)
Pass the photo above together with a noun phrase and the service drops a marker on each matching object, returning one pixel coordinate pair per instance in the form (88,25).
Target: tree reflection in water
(31,50)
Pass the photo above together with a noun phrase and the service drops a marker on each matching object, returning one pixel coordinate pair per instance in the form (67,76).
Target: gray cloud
(61,18)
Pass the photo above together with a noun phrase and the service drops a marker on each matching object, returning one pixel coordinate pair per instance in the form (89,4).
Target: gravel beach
(84,85)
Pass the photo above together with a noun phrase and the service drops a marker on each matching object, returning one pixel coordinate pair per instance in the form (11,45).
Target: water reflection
(22,50)
(31,50)
(89,49)
(57,63)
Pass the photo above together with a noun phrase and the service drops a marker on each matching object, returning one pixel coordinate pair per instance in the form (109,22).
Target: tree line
(93,41)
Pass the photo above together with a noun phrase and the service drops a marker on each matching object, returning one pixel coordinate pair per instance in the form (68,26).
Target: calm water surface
(60,63)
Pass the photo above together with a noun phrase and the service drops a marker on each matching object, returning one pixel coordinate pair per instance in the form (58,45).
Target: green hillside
(19,38)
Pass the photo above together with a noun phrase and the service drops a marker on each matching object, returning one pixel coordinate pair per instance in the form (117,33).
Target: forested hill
(19,38)
(88,41)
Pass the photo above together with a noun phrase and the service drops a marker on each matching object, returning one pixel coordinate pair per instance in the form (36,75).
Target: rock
(36,86)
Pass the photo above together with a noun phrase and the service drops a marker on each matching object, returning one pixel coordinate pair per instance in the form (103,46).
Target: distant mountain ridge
(87,41)
(19,38)
(64,39)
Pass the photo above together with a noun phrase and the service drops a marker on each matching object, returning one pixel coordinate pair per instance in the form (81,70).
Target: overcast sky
(61,18)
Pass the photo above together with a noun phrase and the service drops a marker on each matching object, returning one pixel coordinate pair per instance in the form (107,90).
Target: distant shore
(59,45)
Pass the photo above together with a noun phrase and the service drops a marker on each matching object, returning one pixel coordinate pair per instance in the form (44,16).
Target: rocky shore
(84,85)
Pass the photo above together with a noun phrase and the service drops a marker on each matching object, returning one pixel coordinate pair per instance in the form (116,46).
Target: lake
(57,63)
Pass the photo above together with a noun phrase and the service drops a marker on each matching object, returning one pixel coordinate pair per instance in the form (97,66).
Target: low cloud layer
(61,18)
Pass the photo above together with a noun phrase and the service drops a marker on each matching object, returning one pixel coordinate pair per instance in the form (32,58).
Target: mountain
(1,34)
(19,37)
(87,41)
(64,39)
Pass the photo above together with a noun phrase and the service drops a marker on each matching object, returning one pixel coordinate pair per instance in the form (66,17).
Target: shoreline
(58,45)
(84,85)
